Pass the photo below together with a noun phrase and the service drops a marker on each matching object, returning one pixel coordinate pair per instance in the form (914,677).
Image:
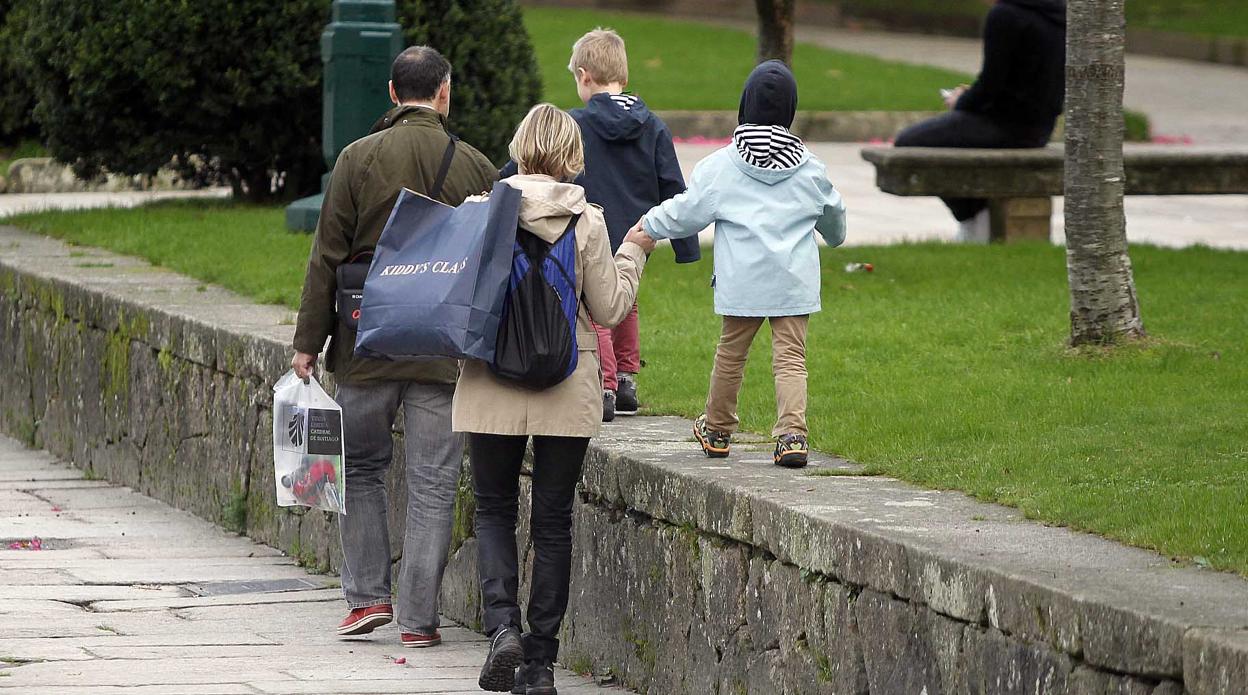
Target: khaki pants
(788,365)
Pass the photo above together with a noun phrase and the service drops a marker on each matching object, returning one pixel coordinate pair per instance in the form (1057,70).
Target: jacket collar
(409,115)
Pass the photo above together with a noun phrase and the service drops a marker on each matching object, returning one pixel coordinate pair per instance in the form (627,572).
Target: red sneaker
(362,621)
(416,640)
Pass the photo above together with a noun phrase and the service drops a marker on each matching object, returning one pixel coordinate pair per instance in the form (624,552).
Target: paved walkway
(18,203)
(130,595)
(876,217)
(1204,101)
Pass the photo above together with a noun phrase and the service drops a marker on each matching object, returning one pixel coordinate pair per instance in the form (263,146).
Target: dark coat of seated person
(1017,97)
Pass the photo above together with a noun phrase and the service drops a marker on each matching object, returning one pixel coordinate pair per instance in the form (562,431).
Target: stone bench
(1020,184)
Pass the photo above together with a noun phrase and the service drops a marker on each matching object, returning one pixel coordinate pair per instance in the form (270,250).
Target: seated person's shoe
(416,640)
(608,405)
(715,444)
(506,652)
(791,451)
(626,395)
(539,678)
(362,621)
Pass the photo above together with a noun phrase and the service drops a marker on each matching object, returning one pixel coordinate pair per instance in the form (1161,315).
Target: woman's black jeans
(495,461)
(967,129)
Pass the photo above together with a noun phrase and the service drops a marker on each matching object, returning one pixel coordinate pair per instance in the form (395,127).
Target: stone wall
(46,175)
(689,576)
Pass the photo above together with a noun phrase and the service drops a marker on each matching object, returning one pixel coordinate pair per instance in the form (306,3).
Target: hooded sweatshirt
(630,165)
(1023,79)
(767,196)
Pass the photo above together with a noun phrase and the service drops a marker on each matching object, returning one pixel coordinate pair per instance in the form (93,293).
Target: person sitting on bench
(1014,102)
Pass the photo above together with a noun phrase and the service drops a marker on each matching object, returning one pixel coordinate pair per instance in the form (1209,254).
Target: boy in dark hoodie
(1014,102)
(630,166)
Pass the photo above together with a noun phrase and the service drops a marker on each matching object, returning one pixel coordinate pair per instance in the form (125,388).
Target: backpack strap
(436,191)
(567,275)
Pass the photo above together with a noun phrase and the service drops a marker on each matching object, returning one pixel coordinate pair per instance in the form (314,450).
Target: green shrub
(229,90)
(494,74)
(16,103)
(1138,128)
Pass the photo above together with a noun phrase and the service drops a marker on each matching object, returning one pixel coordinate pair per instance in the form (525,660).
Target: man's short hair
(418,72)
(601,54)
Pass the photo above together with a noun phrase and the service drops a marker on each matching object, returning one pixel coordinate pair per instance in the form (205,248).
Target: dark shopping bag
(438,278)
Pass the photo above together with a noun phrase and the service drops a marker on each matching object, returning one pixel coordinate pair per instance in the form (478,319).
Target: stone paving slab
(131,625)
(252,600)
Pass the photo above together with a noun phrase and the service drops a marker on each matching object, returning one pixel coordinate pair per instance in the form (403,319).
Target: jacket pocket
(586,341)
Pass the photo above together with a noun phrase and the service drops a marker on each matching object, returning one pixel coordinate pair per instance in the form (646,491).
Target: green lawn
(677,64)
(25,148)
(1204,17)
(945,367)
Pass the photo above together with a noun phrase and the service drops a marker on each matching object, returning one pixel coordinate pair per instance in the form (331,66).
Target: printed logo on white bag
(296,420)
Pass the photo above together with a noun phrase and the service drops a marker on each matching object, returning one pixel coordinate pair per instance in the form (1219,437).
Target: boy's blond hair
(548,141)
(601,54)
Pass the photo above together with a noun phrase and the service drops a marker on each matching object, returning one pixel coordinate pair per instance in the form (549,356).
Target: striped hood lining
(768,146)
(624,101)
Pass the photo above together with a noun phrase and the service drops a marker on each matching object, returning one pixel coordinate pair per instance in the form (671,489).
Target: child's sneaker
(715,444)
(626,395)
(791,451)
(608,405)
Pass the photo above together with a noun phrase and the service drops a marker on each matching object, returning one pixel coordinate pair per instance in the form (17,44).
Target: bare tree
(775,29)
(1103,304)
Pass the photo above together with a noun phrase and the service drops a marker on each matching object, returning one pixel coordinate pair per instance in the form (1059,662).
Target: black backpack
(536,345)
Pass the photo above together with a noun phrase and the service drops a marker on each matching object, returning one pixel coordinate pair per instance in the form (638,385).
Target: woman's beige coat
(608,289)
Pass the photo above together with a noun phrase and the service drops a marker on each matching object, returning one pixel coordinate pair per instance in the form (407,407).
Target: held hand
(303,363)
(952,96)
(638,236)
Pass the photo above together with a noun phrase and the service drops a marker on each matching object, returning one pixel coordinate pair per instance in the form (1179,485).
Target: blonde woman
(500,416)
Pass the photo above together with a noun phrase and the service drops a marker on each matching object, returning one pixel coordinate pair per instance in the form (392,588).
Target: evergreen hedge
(16,102)
(230,90)
(494,76)
(227,89)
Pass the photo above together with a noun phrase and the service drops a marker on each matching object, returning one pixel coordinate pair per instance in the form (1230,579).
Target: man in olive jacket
(410,149)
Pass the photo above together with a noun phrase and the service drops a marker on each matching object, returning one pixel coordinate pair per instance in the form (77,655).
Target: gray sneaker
(626,395)
(608,405)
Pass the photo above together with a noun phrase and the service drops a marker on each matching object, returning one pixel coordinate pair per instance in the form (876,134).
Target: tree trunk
(1103,304)
(775,30)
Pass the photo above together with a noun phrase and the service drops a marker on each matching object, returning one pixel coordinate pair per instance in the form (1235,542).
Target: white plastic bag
(307,446)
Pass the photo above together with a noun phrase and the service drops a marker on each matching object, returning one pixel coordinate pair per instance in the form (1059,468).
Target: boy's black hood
(617,116)
(769,96)
(1052,10)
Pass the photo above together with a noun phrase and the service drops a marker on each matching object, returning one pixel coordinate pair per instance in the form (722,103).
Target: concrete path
(18,203)
(130,595)
(876,217)
(1203,101)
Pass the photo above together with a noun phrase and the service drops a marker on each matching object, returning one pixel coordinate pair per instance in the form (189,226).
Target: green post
(357,48)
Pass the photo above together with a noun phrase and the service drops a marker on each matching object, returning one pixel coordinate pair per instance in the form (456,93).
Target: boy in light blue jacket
(767,196)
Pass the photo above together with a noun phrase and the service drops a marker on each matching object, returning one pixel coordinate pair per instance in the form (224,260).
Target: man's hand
(952,95)
(637,235)
(303,363)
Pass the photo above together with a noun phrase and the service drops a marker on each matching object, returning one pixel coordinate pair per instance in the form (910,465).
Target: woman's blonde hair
(548,141)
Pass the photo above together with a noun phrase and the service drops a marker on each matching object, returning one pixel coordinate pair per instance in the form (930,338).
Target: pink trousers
(619,350)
